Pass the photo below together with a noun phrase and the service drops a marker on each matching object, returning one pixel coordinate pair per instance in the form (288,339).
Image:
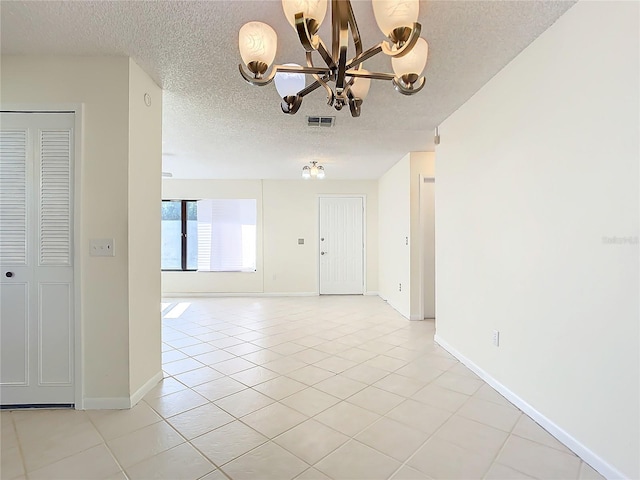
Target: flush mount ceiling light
(313,171)
(343,78)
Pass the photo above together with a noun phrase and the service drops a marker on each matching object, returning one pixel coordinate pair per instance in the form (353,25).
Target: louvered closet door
(36,259)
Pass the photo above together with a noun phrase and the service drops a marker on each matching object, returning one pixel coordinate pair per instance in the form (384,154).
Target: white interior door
(341,245)
(36,259)
(427,209)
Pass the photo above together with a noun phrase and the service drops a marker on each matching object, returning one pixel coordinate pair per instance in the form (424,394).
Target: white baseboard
(597,462)
(121,403)
(286,294)
(167,295)
(144,389)
(416,317)
(395,308)
(236,294)
(106,403)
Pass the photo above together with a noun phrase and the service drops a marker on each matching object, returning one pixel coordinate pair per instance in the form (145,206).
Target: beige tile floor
(283,388)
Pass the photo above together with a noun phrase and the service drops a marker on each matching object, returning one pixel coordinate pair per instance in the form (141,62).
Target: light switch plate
(102,247)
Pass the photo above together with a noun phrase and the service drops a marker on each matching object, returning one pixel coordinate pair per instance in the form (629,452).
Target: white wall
(101,85)
(399,232)
(145,165)
(287,210)
(534,173)
(291,212)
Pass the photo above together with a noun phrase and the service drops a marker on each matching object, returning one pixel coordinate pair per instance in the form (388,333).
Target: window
(179,235)
(216,235)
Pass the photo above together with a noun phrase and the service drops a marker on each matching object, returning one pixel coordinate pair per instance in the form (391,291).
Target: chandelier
(343,79)
(313,171)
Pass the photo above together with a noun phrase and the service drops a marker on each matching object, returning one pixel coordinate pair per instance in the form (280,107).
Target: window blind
(227,235)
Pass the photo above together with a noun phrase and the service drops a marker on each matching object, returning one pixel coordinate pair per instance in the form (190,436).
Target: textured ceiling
(217,126)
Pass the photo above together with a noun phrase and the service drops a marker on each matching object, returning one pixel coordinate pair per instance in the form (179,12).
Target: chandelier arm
(324,53)
(258,82)
(341,30)
(313,87)
(312,42)
(308,41)
(291,108)
(355,33)
(354,103)
(364,56)
(354,106)
(371,75)
(305,70)
(408,45)
(408,91)
(330,96)
(335,29)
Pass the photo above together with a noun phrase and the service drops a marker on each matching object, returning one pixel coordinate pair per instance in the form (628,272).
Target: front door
(341,245)
(36,259)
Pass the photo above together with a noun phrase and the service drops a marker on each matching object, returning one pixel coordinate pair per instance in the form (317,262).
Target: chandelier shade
(412,63)
(289,84)
(392,14)
(361,85)
(258,44)
(342,76)
(311,9)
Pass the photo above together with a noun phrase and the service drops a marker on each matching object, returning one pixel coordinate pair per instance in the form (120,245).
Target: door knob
(9,274)
(322,253)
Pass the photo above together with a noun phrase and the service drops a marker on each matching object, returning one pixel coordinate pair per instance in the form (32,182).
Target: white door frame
(77,109)
(364,235)
(421,249)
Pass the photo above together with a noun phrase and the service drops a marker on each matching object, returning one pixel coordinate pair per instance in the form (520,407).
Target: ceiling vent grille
(317,121)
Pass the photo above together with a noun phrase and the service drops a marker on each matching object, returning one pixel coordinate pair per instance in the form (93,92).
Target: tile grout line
(104,441)
(27,473)
(433,434)
(186,441)
(19,444)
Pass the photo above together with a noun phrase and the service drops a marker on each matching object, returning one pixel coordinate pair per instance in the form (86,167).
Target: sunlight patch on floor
(178,310)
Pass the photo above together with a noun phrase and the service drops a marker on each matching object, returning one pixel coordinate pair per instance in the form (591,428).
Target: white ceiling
(217,126)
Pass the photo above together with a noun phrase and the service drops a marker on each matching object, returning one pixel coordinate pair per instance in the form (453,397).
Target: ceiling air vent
(316,121)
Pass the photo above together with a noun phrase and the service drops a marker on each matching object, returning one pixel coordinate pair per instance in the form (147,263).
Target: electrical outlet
(496,338)
(102,247)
